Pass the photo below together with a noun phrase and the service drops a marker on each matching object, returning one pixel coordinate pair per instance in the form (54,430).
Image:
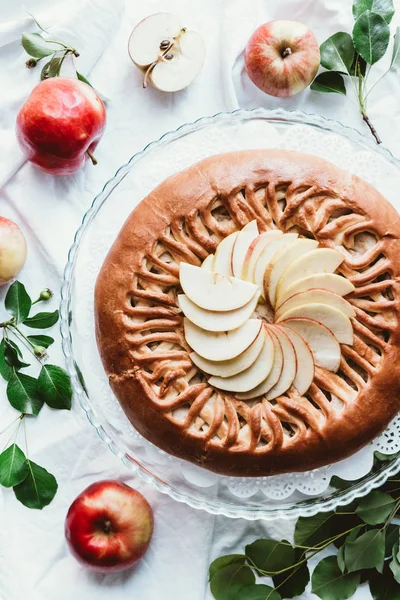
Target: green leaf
(54,386)
(294,581)
(224,561)
(329,583)
(395,563)
(337,52)
(41,340)
(395,62)
(38,488)
(392,536)
(12,355)
(375,508)
(35,45)
(384,8)
(13,466)
(270,555)
(329,82)
(350,538)
(42,320)
(366,551)
(23,394)
(311,531)
(371,36)
(17,302)
(83,78)
(5,370)
(384,587)
(258,592)
(52,68)
(227,582)
(359,66)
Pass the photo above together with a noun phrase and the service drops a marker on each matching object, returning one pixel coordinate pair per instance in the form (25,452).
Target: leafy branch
(32,484)
(352,56)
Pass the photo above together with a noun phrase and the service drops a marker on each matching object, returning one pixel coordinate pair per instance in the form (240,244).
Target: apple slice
(332,318)
(274,374)
(305,361)
(316,296)
(221,346)
(281,260)
(223,255)
(321,341)
(266,255)
(254,251)
(213,291)
(208,262)
(251,377)
(241,245)
(217,321)
(228,368)
(326,281)
(320,260)
(289,367)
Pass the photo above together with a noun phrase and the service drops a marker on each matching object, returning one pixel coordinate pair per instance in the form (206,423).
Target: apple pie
(247,315)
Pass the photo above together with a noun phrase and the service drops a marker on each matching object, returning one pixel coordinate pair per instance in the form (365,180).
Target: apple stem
(372,128)
(286,52)
(92,157)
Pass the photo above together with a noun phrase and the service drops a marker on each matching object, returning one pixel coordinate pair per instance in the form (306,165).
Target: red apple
(60,125)
(109,526)
(12,250)
(282,58)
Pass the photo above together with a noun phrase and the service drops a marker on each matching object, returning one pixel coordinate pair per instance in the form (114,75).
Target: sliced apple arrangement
(296,279)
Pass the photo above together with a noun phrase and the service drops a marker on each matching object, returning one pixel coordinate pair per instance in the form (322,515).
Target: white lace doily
(164,160)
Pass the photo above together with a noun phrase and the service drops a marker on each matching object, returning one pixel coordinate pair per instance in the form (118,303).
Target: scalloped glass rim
(306,507)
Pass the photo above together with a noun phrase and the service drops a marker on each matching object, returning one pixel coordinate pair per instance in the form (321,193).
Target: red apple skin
(279,75)
(12,250)
(109,526)
(62,119)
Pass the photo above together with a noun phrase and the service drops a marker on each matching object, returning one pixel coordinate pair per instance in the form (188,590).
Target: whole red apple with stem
(12,250)
(282,58)
(60,125)
(109,526)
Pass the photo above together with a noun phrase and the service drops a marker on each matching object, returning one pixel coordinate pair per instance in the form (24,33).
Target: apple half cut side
(273,375)
(221,346)
(332,318)
(266,255)
(212,291)
(251,377)
(289,367)
(208,262)
(144,42)
(316,296)
(240,247)
(321,341)
(281,260)
(305,361)
(215,320)
(320,260)
(228,368)
(255,249)
(222,262)
(324,281)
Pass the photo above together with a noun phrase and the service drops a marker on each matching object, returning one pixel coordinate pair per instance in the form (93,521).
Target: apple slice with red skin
(330,282)
(222,262)
(266,256)
(289,367)
(316,296)
(305,361)
(109,526)
(321,341)
(331,317)
(242,243)
(254,251)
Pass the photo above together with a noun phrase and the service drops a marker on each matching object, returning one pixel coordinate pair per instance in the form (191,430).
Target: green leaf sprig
(368,550)
(352,56)
(32,484)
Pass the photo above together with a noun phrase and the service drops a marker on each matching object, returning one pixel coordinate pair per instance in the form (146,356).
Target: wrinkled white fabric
(34,561)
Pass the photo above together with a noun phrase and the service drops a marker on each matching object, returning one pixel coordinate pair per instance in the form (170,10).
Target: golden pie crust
(139,327)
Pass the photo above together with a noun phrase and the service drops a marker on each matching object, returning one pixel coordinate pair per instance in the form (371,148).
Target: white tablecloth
(34,561)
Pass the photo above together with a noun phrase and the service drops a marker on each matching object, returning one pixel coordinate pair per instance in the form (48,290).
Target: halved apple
(241,245)
(327,281)
(332,318)
(316,296)
(321,341)
(213,291)
(208,262)
(289,367)
(251,377)
(255,249)
(221,346)
(266,255)
(273,375)
(228,368)
(320,260)
(281,260)
(305,361)
(217,320)
(223,255)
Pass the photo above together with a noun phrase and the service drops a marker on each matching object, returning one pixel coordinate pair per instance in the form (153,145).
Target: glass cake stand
(282,496)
